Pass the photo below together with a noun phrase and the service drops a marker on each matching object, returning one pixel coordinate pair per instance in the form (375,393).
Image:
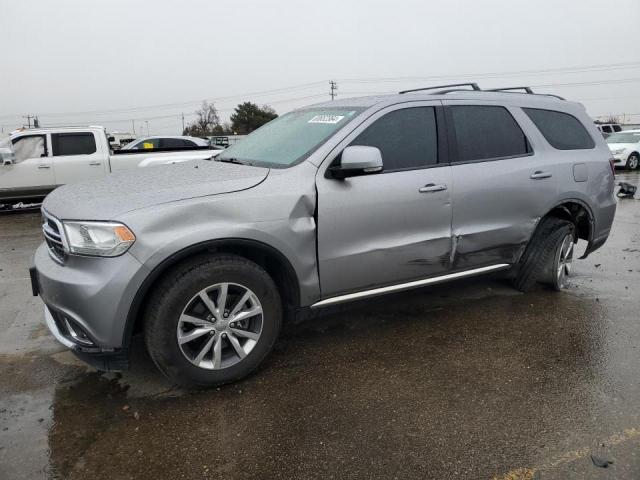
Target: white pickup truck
(35,161)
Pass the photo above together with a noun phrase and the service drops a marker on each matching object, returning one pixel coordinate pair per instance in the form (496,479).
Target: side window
(562,131)
(31,146)
(147,144)
(81,143)
(617,128)
(407,138)
(486,132)
(175,143)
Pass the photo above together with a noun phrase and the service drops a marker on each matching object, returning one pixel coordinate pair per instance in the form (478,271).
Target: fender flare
(189,251)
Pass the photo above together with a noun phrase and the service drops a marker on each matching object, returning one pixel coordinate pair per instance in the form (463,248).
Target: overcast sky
(91,62)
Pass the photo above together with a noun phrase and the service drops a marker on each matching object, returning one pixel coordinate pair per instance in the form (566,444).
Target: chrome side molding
(408,285)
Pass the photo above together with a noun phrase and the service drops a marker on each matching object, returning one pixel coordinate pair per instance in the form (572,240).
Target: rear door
(502,182)
(390,227)
(77,156)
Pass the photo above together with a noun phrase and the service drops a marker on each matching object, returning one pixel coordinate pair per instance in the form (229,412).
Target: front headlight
(104,239)
(617,151)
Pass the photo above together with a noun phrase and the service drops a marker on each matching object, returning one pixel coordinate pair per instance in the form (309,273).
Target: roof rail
(507,89)
(443,89)
(474,86)
(526,90)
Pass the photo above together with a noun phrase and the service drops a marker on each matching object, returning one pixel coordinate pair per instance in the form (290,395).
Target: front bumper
(620,159)
(87,302)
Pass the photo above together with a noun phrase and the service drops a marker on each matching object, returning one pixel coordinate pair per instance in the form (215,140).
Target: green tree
(249,116)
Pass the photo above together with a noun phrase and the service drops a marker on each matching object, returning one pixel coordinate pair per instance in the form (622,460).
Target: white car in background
(147,143)
(35,161)
(625,148)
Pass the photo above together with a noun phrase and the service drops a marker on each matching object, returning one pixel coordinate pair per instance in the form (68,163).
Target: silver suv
(330,203)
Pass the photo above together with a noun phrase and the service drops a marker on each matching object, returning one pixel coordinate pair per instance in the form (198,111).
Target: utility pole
(334,87)
(183,123)
(28,117)
(36,122)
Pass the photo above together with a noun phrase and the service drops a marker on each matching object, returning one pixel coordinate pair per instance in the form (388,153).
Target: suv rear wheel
(212,320)
(548,257)
(633,161)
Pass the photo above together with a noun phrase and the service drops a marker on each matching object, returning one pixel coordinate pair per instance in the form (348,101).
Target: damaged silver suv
(334,202)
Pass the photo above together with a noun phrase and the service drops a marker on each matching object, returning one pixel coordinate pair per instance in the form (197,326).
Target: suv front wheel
(212,320)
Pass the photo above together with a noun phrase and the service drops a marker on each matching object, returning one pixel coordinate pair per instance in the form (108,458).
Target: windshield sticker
(326,119)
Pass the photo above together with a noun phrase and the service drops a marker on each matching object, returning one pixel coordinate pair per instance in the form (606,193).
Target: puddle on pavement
(421,379)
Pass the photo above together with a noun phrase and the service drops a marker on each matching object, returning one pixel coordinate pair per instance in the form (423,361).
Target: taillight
(612,163)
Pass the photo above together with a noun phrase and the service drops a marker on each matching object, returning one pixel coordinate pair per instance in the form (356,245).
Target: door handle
(432,187)
(44,165)
(95,163)
(539,174)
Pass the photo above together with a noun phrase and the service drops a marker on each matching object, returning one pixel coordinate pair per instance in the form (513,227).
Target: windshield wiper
(232,160)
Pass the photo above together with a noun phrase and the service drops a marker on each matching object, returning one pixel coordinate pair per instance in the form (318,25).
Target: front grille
(54,237)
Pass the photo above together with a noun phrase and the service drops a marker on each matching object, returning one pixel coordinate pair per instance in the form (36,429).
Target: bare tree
(207,121)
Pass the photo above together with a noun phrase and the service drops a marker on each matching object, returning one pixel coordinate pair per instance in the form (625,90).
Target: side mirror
(357,160)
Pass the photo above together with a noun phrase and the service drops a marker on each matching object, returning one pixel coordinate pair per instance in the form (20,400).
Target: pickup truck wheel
(545,254)
(212,320)
(633,161)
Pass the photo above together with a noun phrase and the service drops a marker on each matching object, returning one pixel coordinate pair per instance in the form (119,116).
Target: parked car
(117,140)
(625,148)
(147,143)
(330,203)
(608,128)
(35,161)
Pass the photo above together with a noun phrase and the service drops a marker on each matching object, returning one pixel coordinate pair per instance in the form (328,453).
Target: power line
(583,69)
(293,88)
(486,75)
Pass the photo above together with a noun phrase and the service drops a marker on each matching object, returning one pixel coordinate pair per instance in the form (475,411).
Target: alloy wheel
(564,259)
(220,326)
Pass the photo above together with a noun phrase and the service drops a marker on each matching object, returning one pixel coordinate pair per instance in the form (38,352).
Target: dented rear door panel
(496,204)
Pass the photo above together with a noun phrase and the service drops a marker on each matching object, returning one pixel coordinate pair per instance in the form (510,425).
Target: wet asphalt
(466,380)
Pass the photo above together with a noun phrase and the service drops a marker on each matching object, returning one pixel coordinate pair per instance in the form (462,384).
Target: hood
(128,190)
(621,146)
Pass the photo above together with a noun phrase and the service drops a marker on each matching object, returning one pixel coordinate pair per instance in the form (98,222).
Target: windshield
(289,139)
(624,137)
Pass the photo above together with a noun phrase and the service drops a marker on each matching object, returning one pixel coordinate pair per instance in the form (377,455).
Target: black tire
(538,258)
(172,294)
(633,162)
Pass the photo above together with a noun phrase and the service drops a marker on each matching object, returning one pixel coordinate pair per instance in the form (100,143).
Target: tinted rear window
(562,131)
(406,138)
(73,143)
(487,132)
(175,143)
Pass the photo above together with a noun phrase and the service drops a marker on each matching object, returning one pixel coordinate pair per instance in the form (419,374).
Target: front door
(390,227)
(502,185)
(31,173)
